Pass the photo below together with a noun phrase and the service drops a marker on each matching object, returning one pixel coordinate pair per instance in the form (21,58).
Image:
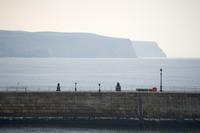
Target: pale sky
(173,24)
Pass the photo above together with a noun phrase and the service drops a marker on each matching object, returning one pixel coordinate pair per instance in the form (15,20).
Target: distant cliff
(147,49)
(57,44)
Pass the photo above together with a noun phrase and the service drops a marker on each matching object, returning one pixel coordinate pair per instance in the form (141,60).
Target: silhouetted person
(118,87)
(58,87)
(99,87)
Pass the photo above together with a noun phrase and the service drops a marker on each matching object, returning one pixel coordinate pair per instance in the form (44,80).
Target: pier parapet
(104,105)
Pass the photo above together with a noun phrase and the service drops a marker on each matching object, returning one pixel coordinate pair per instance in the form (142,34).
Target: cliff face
(73,45)
(147,49)
(52,44)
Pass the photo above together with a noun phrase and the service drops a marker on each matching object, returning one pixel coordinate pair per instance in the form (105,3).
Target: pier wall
(104,105)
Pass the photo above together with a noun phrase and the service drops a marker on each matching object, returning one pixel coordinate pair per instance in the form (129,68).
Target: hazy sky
(173,24)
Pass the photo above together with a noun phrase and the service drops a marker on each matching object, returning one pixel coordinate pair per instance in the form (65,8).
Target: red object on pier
(154,89)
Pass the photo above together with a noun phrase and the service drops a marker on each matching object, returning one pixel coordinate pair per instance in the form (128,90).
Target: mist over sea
(43,74)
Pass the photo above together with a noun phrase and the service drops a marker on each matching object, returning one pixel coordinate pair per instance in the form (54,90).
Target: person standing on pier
(58,87)
(118,87)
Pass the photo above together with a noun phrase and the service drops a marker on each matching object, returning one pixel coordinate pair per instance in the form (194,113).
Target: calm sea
(20,128)
(88,130)
(43,74)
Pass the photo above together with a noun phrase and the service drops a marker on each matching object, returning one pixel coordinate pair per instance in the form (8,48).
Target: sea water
(46,129)
(43,74)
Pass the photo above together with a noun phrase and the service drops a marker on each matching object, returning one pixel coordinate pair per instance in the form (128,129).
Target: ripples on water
(90,130)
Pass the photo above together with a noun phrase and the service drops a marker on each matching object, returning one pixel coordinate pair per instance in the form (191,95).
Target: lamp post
(99,87)
(161,80)
(75,86)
